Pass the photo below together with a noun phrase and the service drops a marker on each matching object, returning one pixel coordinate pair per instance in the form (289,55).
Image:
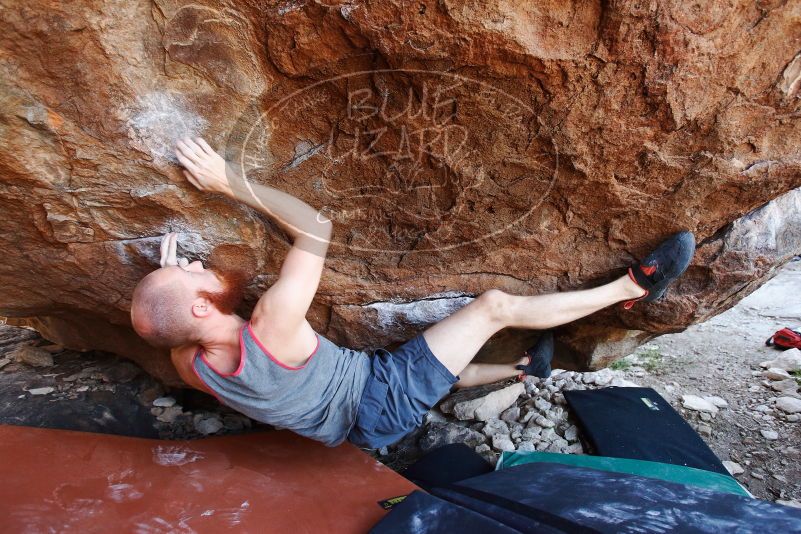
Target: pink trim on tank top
(203,381)
(274,359)
(242,356)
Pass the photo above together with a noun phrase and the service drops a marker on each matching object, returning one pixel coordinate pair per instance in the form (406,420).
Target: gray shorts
(403,385)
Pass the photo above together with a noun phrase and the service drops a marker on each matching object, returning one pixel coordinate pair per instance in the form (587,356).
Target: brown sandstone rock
(458,146)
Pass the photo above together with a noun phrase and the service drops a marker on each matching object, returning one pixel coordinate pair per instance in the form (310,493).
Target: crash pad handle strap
(541,516)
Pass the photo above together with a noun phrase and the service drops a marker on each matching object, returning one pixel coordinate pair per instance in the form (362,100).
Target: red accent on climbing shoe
(648,270)
(630,303)
(631,275)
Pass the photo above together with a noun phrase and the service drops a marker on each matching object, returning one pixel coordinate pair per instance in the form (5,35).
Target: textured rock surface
(493,144)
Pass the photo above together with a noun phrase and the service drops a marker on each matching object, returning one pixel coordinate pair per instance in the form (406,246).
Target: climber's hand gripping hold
(204,168)
(168,247)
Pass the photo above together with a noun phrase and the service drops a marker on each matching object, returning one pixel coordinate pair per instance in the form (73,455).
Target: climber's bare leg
(456,339)
(477,374)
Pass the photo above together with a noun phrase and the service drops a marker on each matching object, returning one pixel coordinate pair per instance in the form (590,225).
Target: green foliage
(621,365)
(650,359)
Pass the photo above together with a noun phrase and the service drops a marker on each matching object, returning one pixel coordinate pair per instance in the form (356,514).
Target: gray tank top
(318,400)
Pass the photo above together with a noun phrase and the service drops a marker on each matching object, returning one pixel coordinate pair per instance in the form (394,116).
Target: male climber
(276,369)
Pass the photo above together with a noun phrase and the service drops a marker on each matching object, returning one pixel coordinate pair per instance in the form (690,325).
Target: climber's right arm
(285,304)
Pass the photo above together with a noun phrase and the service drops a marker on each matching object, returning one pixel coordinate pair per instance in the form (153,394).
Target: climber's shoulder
(183,359)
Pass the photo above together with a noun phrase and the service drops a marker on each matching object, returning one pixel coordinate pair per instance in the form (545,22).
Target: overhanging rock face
(458,146)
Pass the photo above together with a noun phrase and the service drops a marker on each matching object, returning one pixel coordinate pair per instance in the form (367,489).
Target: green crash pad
(668,472)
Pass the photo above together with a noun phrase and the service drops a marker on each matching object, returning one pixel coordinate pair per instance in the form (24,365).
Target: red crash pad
(62,480)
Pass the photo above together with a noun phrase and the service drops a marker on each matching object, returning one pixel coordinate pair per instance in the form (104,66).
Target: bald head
(161,308)
(172,306)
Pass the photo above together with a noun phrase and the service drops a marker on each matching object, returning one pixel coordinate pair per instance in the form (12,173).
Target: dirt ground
(95,391)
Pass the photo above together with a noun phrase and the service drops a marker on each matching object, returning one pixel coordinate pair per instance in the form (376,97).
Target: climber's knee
(494,304)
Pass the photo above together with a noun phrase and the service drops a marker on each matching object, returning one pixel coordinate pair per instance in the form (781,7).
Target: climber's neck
(220,340)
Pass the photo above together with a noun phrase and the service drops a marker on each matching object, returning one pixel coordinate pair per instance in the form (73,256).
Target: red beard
(234,282)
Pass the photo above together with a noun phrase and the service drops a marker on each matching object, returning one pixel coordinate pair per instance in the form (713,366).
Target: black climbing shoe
(539,358)
(662,266)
